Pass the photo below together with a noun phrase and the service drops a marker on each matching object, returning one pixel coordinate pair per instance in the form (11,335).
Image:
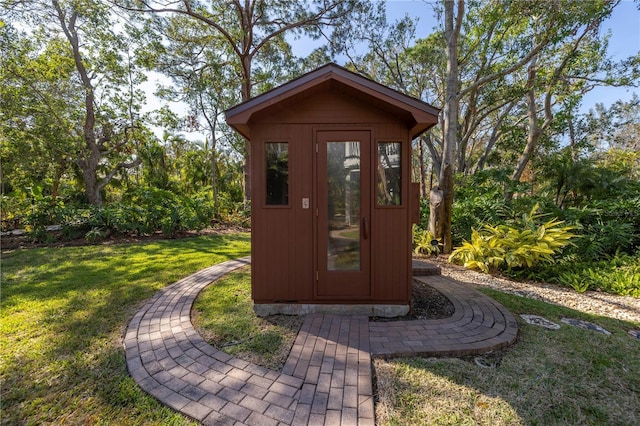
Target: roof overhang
(419,115)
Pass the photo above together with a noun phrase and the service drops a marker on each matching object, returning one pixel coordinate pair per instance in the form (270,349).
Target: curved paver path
(327,377)
(479,324)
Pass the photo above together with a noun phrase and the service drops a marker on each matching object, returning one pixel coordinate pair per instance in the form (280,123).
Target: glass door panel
(343,186)
(343,205)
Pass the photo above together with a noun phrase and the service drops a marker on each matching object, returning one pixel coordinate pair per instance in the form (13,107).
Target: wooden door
(343,199)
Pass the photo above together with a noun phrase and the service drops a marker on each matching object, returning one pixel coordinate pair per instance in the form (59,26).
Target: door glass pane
(343,186)
(388,174)
(277,155)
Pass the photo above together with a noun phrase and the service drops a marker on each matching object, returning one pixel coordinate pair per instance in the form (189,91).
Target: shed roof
(419,115)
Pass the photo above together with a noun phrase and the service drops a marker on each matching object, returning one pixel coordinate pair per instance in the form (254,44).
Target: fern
(576,282)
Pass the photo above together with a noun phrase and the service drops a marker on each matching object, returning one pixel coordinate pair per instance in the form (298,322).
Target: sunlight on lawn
(63,314)
(421,396)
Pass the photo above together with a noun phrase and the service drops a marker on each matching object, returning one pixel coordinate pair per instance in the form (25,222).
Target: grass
(223,314)
(63,312)
(569,376)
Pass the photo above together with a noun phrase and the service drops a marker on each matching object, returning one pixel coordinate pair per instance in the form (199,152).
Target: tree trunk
(435,211)
(423,170)
(535,128)
(445,179)
(532,139)
(88,164)
(495,135)
(56,181)
(446,186)
(246,15)
(214,172)
(535,131)
(91,187)
(436,158)
(246,95)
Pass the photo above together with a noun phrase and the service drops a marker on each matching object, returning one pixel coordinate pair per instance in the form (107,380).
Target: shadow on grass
(35,274)
(63,314)
(223,315)
(566,376)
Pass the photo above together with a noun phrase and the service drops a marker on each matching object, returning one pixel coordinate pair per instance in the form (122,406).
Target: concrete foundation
(386,311)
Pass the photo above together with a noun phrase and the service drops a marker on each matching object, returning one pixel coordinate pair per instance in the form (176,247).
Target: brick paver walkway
(331,354)
(327,377)
(478,325)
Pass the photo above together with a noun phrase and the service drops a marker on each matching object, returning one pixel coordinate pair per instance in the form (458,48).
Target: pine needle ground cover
(63,312)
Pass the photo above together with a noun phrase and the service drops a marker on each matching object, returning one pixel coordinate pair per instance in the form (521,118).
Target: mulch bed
(426,303)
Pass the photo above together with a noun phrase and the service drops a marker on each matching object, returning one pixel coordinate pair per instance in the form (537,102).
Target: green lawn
(224,317)
(63,312)
(569,376)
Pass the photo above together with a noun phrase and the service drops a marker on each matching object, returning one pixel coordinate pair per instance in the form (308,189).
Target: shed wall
(284,237)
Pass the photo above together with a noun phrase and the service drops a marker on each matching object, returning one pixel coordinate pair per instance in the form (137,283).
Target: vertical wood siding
(283,238)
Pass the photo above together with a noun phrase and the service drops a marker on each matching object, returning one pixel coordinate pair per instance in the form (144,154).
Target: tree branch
(481,82)
(122,165)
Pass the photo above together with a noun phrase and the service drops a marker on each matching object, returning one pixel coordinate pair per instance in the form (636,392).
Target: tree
(197,61)
(105,125)
(194,60)
(497,42)
(412,67)
(561,71)
(98,140)
(36,100)
(250,27)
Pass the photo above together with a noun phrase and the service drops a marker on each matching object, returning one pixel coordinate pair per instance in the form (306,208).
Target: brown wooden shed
(332,204)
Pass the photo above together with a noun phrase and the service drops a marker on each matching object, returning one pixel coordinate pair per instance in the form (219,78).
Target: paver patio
(326,379)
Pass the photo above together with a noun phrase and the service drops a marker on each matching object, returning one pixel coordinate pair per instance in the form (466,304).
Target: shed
(332,200)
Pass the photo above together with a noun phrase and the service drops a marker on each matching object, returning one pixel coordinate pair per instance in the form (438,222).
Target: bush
(606,228)
(480,200)
(508,247)
(619,274)
(235,213)
(139,212)
(422,239)
(12,211)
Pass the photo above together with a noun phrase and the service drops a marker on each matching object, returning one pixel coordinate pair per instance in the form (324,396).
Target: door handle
(365,228)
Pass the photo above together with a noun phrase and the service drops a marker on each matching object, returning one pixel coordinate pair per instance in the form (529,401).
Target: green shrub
(95,234)
(619,274)
(12,212)
(139,212)
(483,252)
(39,234)
(605,228)
(577,282)
(480,200)
(508,247)
(422,239)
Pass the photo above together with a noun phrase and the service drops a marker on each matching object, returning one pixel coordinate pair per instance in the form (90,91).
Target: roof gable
(422,115)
